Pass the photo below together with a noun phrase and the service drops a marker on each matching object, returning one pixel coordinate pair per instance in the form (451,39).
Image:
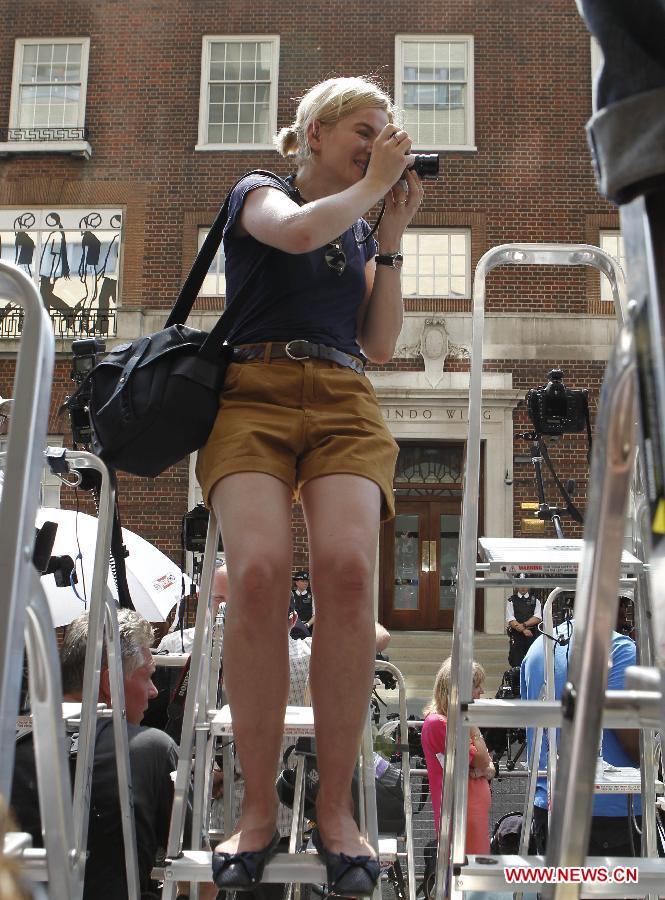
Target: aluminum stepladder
(49,712)
(635,381)
(199,719)
(19,579)
(648,771)
(453,812)
(25,617)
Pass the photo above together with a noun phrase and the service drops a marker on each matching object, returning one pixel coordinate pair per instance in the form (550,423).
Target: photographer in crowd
(612,829)
(297,417)
(153,756)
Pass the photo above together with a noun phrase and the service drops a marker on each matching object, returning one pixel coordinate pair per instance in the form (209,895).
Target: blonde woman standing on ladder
(297,417)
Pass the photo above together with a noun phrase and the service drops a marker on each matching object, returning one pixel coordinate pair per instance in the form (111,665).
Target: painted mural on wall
(73,256)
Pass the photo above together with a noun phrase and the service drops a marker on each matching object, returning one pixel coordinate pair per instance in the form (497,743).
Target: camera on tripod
(195,530)
(555,409)
(85,356)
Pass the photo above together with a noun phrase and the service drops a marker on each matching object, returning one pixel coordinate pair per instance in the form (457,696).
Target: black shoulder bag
(154,400)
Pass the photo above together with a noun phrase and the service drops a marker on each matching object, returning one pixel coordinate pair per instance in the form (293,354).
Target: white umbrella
(154,581)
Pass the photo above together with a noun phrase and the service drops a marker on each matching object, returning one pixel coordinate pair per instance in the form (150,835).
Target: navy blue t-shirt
(294,295)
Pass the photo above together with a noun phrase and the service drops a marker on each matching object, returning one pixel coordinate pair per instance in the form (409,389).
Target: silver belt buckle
(287,349)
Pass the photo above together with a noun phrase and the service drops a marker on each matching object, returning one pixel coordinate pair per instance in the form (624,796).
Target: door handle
(432,556)
(425,556)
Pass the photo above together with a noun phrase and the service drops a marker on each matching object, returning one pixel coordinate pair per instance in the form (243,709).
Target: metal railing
(90,323)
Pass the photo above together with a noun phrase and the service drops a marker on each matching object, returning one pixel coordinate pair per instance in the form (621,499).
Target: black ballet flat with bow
(347,876)
(242,871)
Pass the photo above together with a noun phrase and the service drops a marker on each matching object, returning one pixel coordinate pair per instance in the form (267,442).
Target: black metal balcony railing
(60,133)
(88,324)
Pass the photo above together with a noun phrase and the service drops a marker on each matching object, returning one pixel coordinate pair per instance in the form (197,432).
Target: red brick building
(122,125)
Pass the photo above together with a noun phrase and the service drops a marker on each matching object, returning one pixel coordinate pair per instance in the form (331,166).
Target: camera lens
(426,165)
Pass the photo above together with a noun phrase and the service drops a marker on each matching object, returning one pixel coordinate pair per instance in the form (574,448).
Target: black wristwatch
(394,260)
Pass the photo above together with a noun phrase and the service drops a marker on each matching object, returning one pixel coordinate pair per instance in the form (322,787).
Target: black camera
(426,165)
(555,409)
(195,530)
(85,356)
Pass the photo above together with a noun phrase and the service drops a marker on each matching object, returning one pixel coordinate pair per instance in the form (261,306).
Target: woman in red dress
(481,769)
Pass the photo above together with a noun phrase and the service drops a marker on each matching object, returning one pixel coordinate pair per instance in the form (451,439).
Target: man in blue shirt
(611,831)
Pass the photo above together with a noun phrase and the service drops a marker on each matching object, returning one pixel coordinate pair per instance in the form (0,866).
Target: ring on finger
(394,136)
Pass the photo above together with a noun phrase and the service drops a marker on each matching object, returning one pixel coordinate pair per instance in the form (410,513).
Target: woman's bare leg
(254,512)
(342,514)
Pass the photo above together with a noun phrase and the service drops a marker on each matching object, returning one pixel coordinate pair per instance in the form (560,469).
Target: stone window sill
(72,148)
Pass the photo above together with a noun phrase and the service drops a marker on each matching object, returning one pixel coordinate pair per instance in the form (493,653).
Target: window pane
(409,284)
(261,134)
(216,71)
(432,243)
(426,265)
(457,265)
(217,52)
(264,62)
(44,53)
(458,243)
(231,113)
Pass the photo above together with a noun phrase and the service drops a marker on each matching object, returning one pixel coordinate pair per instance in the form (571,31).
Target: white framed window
(611,241)
(238,103)
(434,87)
(214,284)
(49,87)
(437,263)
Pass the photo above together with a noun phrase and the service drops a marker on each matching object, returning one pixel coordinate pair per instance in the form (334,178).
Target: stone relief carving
(434,345)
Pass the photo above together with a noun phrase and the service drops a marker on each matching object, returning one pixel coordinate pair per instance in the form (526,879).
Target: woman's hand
(402,202)
(390,156)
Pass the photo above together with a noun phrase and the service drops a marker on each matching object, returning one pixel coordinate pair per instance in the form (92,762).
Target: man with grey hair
(153,756)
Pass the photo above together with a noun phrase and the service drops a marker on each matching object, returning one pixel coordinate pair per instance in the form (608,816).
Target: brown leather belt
(298,350)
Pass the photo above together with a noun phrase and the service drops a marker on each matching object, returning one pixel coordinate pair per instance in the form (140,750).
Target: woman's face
(478,692)
(345,147)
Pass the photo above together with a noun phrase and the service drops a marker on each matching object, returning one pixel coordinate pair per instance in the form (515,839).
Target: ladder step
(298,721)
(623,709)
(283,868)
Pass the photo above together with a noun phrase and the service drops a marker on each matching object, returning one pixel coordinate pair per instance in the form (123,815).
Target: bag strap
(190,289)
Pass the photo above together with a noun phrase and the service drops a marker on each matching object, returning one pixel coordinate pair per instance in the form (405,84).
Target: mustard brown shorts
(298,420)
